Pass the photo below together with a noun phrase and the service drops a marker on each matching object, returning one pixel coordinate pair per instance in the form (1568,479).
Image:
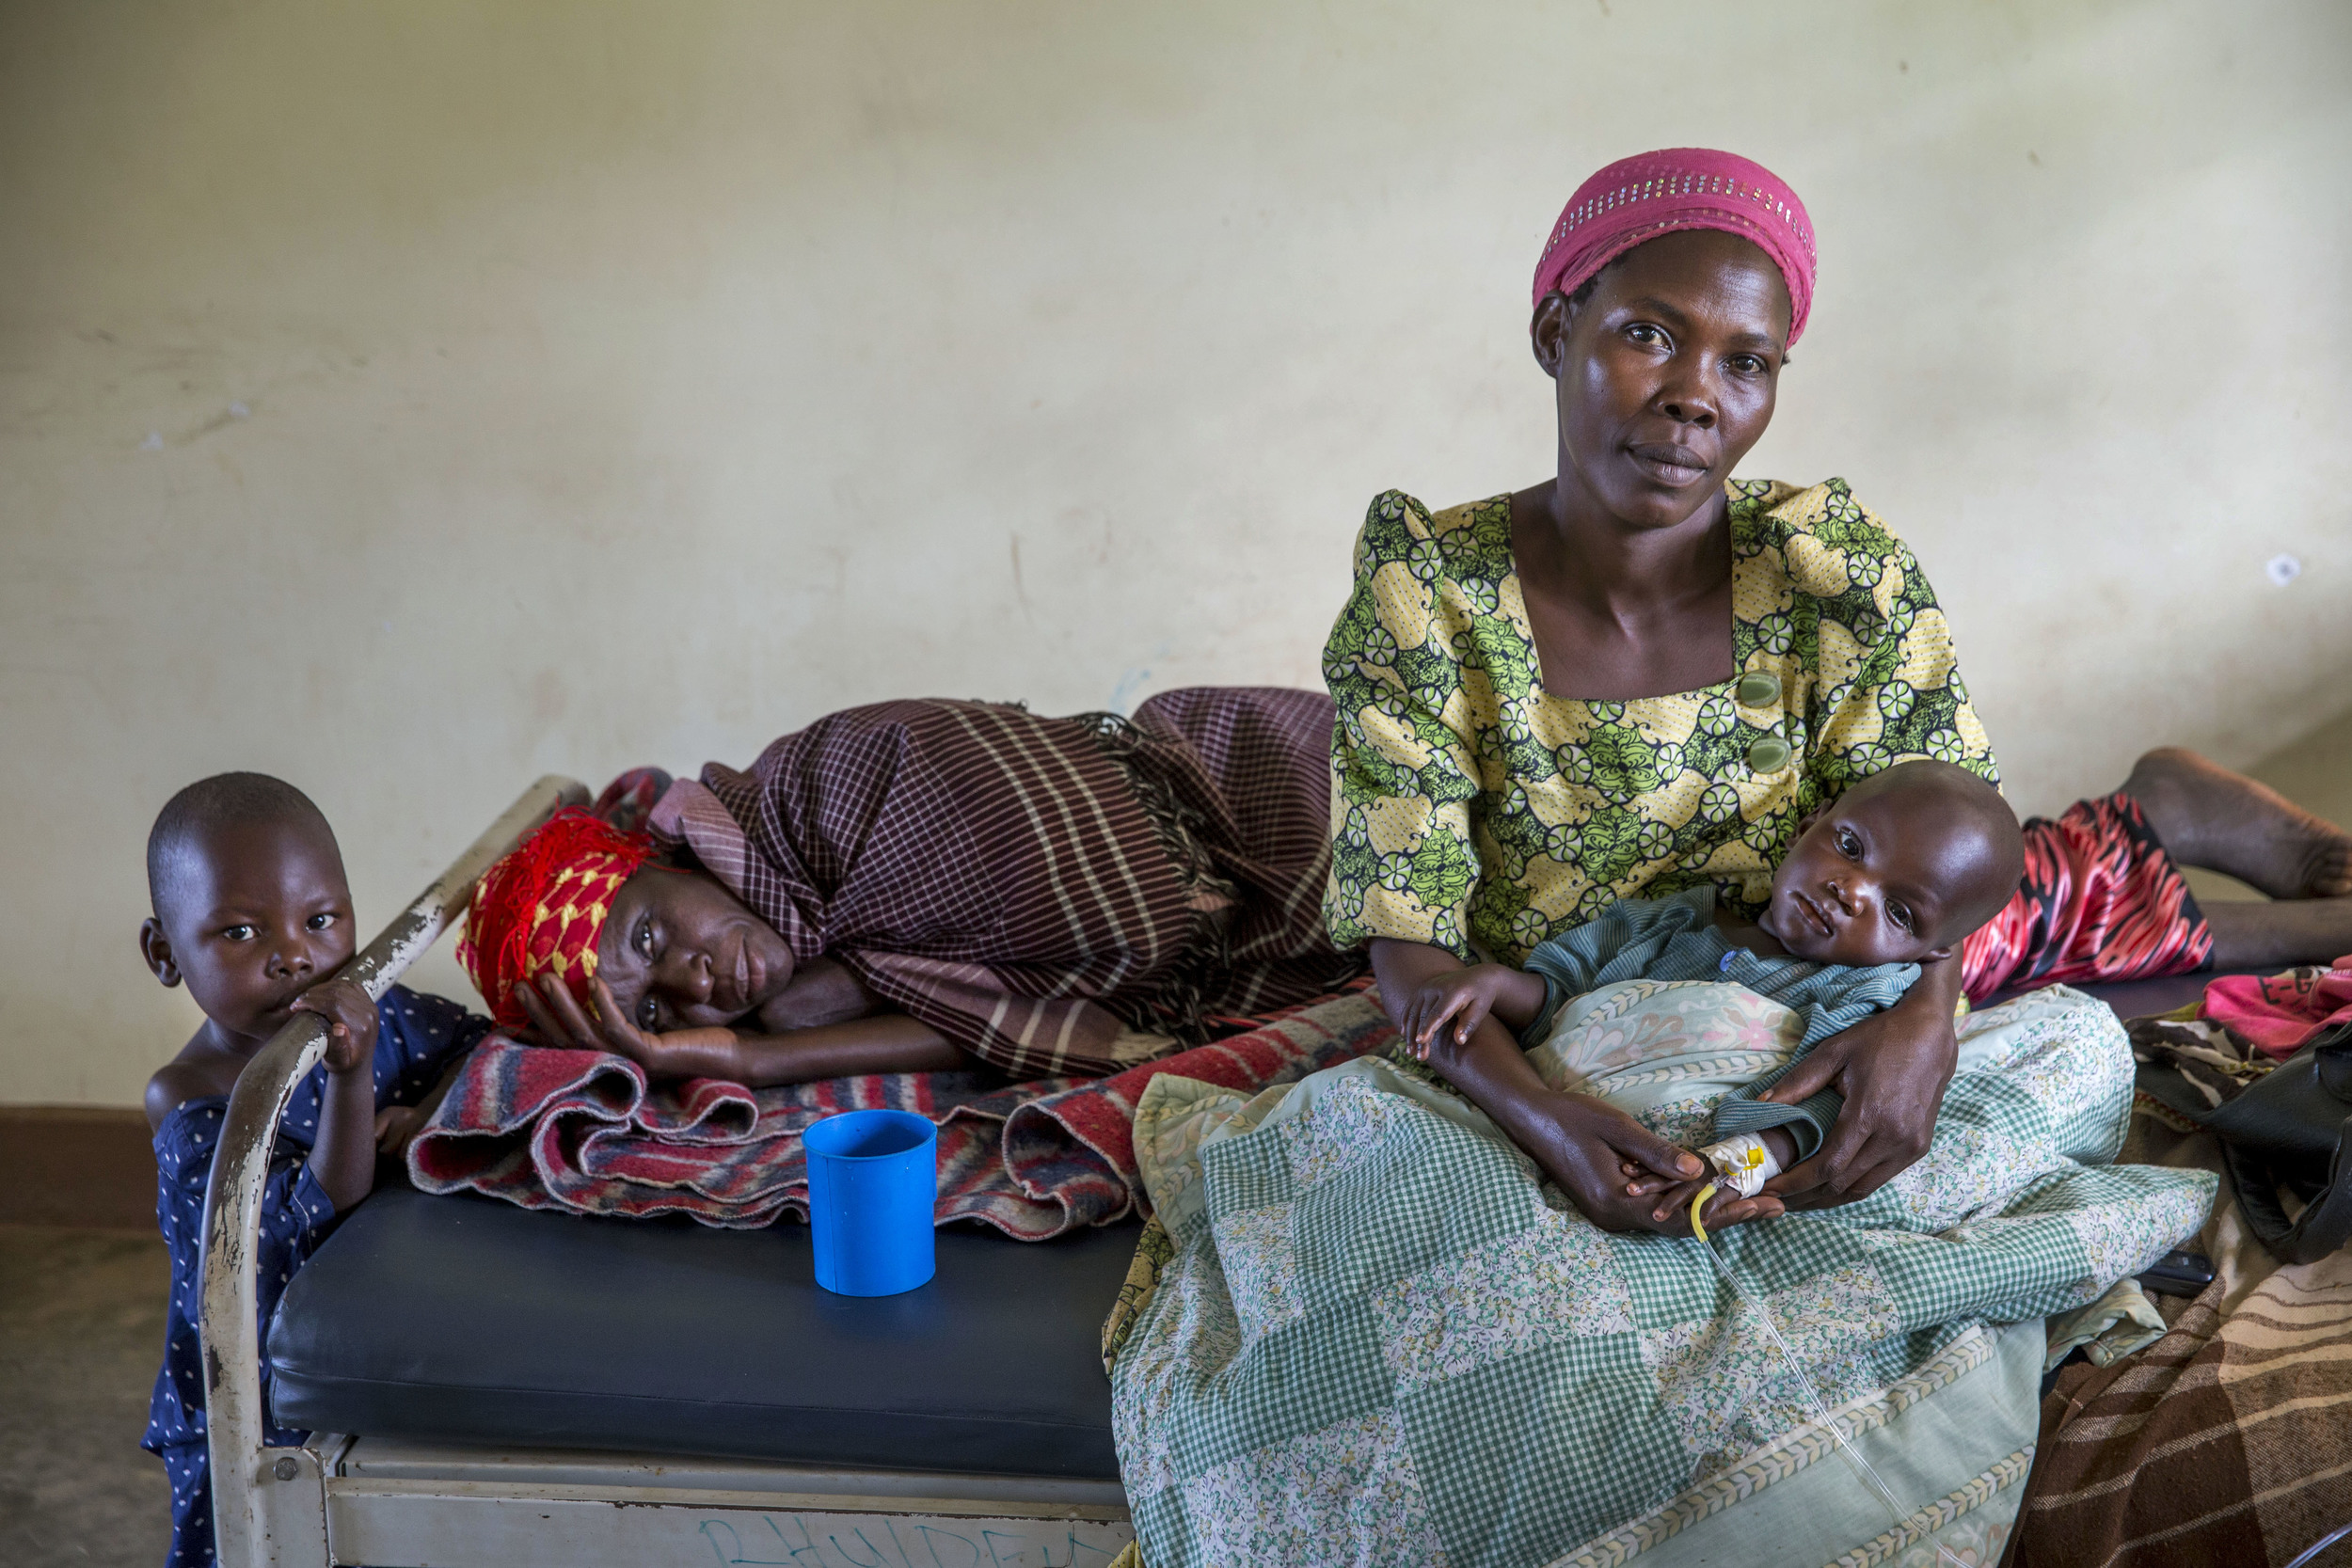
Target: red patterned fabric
(542,905)
(1056,895)
(2101,902)
(2279,1012)
(586,1132)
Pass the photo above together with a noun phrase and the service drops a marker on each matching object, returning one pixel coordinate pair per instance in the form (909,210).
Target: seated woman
(909,886)
(1642,673)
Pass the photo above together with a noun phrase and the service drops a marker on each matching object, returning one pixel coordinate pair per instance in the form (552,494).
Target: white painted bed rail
(267,1503)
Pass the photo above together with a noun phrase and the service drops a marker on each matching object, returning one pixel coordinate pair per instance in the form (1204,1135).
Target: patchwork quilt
(1377,1336)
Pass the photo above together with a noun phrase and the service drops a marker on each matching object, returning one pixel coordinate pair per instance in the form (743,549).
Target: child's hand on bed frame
(343,1156)
(883,1042)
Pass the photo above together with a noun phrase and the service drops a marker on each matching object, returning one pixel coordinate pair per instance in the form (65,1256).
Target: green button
(1770,755)
(1758,688)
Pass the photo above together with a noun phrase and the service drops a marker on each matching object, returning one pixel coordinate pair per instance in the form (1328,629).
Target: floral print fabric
(1472,808)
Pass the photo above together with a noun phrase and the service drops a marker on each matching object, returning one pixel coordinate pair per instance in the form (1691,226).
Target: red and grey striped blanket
(586,1132)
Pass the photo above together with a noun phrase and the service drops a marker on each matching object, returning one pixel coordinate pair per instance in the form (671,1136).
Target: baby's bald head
(251,905)
(1943,801)
(1899,869)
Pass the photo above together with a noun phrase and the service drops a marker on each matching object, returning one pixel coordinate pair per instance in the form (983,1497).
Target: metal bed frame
(353,1498)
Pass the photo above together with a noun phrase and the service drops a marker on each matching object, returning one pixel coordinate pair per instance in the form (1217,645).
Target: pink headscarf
(1651,193)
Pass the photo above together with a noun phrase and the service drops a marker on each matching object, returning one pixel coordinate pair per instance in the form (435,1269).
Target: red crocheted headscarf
(1651,193)
(542,907)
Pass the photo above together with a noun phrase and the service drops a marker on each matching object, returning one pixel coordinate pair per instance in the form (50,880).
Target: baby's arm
(343,1158)
(1466,996)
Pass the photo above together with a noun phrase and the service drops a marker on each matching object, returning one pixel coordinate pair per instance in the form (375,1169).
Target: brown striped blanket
(1056,895)
(2228,1441)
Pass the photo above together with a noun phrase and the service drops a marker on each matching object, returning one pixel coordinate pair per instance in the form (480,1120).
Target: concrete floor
(80,1334)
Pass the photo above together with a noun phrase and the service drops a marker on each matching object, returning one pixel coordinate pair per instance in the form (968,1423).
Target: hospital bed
(485,1385)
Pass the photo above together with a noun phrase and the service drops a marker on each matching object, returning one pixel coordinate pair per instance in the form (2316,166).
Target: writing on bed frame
(871,1541)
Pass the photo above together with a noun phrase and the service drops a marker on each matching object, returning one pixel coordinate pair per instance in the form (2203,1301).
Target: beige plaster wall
(408,399)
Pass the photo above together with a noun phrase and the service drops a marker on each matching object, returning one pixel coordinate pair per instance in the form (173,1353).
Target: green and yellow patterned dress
(1475,810)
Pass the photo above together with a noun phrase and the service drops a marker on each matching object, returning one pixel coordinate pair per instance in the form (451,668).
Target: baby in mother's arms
(1895,872)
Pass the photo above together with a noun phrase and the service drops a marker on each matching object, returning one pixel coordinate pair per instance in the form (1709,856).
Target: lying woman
(914,885)
(1643,673)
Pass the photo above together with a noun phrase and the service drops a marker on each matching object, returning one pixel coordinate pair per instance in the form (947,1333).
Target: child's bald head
(188,829)
(1943,801)
(251,905)
(1899,869)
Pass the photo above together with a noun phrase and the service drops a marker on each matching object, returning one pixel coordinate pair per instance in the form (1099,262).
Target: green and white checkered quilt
(1380,1337)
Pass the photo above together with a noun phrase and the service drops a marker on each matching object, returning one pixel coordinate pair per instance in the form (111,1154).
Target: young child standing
(1895,873)
(251,912)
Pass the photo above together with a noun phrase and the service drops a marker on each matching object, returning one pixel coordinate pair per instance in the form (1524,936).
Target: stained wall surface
(411,400)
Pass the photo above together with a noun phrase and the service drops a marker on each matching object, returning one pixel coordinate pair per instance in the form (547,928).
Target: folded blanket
(2224,1442)
(1377,1336)
(587,1132)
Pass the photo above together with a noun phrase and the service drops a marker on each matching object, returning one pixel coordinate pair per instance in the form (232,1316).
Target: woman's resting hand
(885,1042)
(1614,1168)
(558,1020)
(1892,1067)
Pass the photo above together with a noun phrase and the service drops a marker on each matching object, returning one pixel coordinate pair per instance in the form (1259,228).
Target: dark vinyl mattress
(467,1320)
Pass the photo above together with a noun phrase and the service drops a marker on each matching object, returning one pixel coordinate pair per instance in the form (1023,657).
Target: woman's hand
(1578,1141)
(558,1020)
(1892,1067)
(1592,1151)
(887,1042)
(1620,1175)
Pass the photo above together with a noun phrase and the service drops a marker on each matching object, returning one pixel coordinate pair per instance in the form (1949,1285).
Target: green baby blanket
(1379,1336)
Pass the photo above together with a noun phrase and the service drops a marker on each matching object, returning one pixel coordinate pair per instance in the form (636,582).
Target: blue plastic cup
(872,1175)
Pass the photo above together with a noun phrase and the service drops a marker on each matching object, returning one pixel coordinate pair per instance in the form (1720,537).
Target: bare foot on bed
(2209,816)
